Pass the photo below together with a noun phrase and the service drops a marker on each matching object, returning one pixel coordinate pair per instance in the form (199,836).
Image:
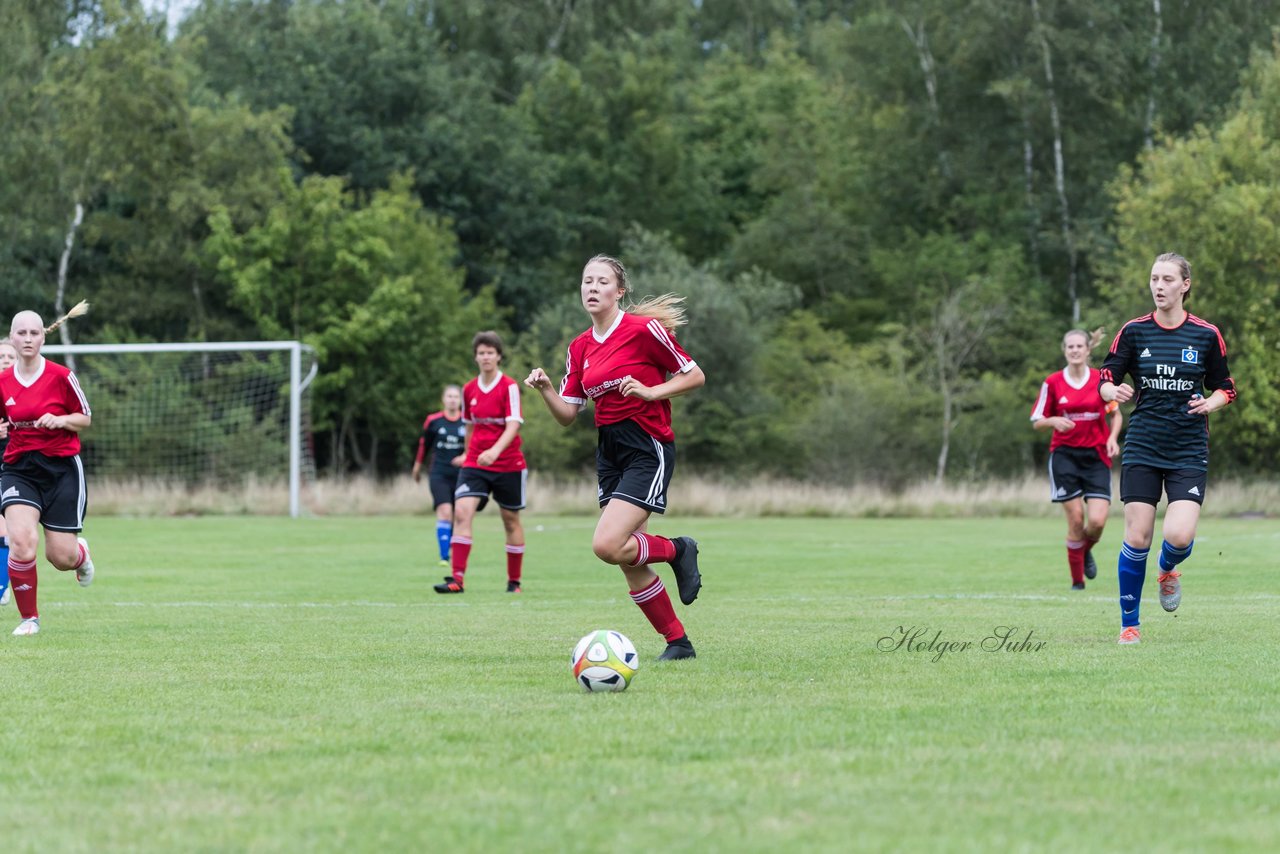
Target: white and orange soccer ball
(605,661)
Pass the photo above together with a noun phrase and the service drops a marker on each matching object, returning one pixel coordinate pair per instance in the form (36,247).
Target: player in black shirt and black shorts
(444,437)
(1178,364)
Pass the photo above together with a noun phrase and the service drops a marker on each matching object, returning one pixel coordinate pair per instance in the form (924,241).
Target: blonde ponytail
(667,309)
(77,310)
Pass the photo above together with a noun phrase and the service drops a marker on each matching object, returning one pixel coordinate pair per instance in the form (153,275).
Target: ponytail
(77,310)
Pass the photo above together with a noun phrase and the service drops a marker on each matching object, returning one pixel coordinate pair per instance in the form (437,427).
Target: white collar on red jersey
(28,382)
(1066,375)
(490,387)
(600,339)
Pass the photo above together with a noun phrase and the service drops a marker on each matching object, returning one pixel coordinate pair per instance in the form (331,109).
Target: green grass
(250,684)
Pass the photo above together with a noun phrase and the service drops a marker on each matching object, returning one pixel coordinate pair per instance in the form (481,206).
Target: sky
(176,9)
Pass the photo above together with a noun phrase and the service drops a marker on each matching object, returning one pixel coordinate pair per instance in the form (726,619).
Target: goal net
(222,414)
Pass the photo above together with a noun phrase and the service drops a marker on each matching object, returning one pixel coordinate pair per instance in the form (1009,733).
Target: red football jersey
(488,410)
(635,346)
(54,389)
(1083,405)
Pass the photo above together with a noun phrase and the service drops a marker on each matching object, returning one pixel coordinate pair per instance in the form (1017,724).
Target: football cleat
(1129,635)
(1079,585)
(444,563)
(1090,565)
(4,596)
(513,586)
(685,563)
(27,627)
(678,649)
(1170,590)
(450,586)
(84,574)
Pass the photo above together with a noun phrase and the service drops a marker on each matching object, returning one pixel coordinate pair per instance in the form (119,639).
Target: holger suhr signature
(922,639)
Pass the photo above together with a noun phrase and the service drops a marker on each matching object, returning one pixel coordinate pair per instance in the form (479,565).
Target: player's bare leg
(619,539)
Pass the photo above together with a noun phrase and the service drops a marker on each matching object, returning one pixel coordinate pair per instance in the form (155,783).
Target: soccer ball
(605,661)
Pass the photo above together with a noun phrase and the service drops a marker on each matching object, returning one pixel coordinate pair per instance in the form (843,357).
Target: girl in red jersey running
(8,355)
(1081,451)
(629,364)
(42,483)
(493,463)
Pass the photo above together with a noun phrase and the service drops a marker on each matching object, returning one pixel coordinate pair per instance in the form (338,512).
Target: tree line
(884,214)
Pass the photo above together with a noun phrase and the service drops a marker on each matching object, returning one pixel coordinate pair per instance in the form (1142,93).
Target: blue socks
(1133,571)
(1171,556)
(444,534)
(4,563)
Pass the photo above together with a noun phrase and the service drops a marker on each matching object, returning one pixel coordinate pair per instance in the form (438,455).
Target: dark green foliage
(883,214)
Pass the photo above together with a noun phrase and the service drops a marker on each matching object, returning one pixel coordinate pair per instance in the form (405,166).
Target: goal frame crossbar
(297,385)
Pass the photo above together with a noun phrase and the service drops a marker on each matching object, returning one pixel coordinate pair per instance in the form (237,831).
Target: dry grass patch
(691,496)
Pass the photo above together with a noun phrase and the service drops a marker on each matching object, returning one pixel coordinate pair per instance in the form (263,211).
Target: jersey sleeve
(665,351)
(422,440)
(513,402)
(1217,376)
(571,390)
(1116,365)
(1044,403)
(75,399)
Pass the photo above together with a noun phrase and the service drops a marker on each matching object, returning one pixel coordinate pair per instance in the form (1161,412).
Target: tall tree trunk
(566,13)
(1029,190)
(1059,168)
(1153,63)
(948,408)
(353,444)
(929,68)
(59,300)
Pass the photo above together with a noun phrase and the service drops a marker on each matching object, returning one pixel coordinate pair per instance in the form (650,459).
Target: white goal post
(197,412)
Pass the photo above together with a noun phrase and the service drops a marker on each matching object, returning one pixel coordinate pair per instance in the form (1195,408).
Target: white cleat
(85,573)
(5,596)
(27,627)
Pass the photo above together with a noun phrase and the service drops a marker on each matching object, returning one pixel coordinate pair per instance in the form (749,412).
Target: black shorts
(633,466)
(53,485)
(1143,484)
(443,483)
(1078,472)
(508,487)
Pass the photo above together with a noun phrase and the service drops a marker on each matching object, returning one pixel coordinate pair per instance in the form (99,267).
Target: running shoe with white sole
(27,627)
(1170,590)
(84,573)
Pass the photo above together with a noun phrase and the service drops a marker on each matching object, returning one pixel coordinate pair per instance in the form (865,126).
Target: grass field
(253,684)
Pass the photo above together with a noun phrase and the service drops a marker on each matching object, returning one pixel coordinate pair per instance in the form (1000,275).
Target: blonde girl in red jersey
(42,484)
(8,355)
(1086,438)
(630,366)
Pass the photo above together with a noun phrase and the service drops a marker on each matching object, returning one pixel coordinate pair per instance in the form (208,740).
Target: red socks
(652,549)
(22,581)
(656,605)
(1075,560)
(459,551)
(515,560)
